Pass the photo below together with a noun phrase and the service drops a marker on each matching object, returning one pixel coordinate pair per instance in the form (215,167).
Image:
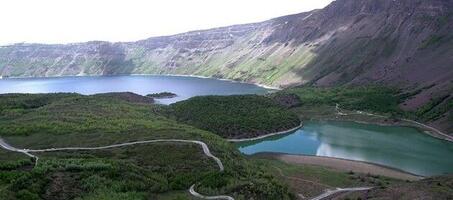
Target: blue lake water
(184,87)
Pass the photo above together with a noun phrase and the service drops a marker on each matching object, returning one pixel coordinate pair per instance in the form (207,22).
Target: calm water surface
(400,147)
(184,87)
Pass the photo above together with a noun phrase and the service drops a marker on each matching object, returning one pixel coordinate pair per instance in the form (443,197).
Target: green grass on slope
(136,172)
(68,113)
(370,98)
(126,173)
(374,99)
(239,116)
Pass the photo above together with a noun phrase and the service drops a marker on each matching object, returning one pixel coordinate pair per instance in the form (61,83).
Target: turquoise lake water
(403,148)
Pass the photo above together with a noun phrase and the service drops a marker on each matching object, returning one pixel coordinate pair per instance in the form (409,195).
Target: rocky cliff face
(91,58)
(401,43)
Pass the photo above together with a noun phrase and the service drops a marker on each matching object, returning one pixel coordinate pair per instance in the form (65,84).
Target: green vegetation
(147,171)
(435,109)
(72,113)
(126,173)
(127,96)
(370,98)
(431,41)
(166,170)
(239,116)
(430,188)
(320,103)
(162,95)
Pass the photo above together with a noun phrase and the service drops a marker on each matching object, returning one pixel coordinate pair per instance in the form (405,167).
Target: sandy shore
(342,165)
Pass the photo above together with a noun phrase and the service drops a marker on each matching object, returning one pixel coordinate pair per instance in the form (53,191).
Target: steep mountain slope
(406,44)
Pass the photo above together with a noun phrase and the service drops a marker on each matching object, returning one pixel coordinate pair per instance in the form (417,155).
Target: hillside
(163,170)
(371,104)
(430,188)
(405,44)
(159,170)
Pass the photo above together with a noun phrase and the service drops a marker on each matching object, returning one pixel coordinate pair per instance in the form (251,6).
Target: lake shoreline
(267,135)
(401,122)
(175,75)
(342,164)
(403,149)
(222,79)
(370,118)
(421,126)
(409,123)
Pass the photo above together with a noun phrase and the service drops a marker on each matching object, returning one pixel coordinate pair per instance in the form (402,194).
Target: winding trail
(205,147)
(328,192)
(192,191)
(8,147)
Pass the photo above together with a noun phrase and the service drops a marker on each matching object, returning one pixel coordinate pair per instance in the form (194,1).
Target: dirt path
(344,165)
(205,147)
(192,191)
(8,147)
(330,191)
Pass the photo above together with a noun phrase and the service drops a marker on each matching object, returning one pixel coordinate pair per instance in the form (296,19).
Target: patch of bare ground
(312,181)
(346,165)
(63,186)
(301,186)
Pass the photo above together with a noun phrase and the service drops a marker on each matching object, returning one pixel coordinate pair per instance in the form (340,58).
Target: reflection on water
(399,147)
(184,87)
